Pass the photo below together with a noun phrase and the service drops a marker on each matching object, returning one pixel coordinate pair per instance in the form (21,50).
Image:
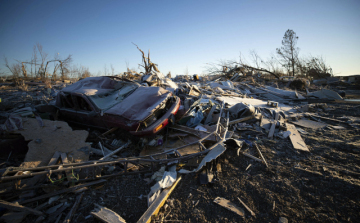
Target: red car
(107,102)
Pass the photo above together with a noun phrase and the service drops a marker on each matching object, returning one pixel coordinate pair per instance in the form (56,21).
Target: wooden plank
(272,130)
(56,215)
(55,158)
(229,205)
(252,157)
(261,155)
(106,215)
(115,151)
(241,119)
(17,207)
(157,204)
(73,209)
(62,191)
(247,208)
(296,139)
(109,131)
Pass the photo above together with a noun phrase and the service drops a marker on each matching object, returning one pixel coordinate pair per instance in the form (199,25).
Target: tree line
(285,62)
(38,66)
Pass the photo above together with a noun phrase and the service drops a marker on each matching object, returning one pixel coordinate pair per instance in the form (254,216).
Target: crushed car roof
(93,85)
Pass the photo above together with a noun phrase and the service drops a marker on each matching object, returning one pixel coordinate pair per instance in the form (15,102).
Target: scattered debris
(101,137)
(158,203)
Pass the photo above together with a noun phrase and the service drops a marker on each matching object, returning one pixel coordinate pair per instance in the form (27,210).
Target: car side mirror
(92,114)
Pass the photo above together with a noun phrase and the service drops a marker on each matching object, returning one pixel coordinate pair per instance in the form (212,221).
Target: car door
(67,109)
(86,113)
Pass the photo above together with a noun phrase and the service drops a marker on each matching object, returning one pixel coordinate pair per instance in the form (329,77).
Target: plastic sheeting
(167,180)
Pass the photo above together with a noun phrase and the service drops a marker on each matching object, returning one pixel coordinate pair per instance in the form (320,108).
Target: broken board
(157,204)
(296,139)
(309,124)
(106,215)
(229,205)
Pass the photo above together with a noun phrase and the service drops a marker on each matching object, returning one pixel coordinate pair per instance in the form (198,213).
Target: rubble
(226,132)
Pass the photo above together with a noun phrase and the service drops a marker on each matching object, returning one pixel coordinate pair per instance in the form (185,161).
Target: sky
(181,35)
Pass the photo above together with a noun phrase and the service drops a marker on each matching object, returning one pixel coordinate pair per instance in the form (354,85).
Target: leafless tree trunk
(34,60)
(43,56)
(148,65)
(14,68)
(112,70)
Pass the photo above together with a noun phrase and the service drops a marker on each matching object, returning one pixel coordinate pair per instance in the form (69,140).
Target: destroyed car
(108,102)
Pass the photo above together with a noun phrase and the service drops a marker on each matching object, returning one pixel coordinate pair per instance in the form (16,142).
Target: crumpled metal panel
(140,104)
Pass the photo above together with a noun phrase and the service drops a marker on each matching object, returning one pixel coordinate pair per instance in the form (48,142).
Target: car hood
(140,104)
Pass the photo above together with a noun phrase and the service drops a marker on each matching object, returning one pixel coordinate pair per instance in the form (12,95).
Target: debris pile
(85,151)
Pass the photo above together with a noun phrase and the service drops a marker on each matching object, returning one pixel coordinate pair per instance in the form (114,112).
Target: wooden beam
(115,151)
(261,155)
(73,209)
(252,157)
(247,208)
(62,191)
(229,205)
(296,139)
(157,204)
(272,130)
(17,207)
(241,119)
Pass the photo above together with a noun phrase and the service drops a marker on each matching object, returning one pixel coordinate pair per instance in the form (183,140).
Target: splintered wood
(229,205)
(296,139)
(17,207)
(106,215)
(157,204)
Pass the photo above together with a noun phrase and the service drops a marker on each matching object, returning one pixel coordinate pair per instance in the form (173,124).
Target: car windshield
(109,99)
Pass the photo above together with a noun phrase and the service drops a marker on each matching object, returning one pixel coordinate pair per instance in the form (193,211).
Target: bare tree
(256,58)
(221,67)
(112,70)
(73,71)
(259,65)
(147,64)
(43,57)
(84,72)
(288,52)
(315,67)
(14,68)
(64,65)
(34,60)
(127,64)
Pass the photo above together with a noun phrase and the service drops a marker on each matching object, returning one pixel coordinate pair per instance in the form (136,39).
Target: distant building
(352,78)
